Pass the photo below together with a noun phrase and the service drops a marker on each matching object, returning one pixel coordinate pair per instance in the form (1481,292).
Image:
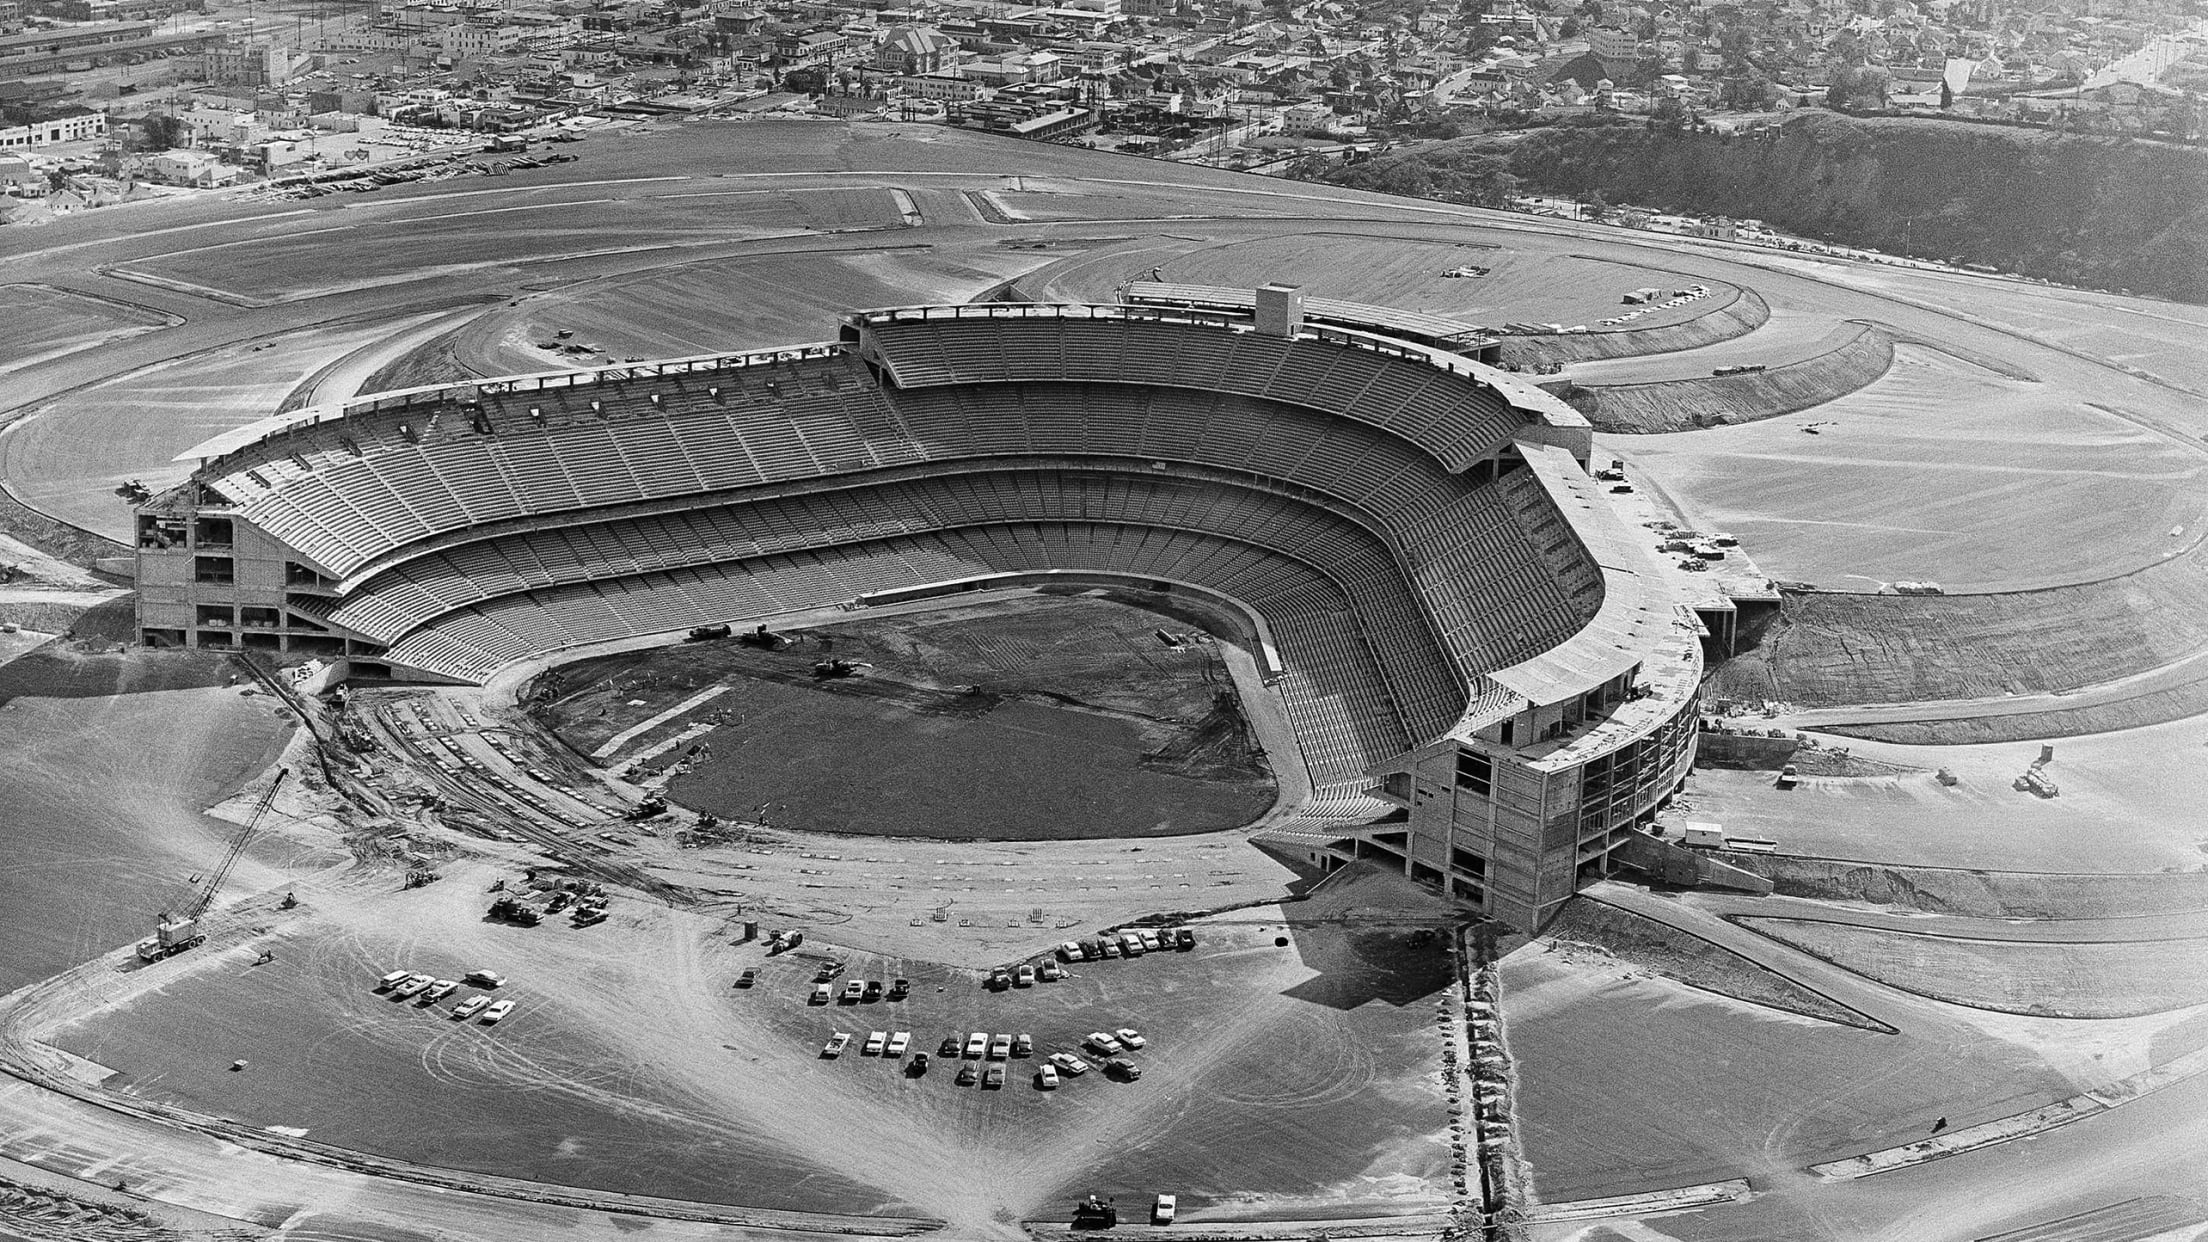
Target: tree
(163,133)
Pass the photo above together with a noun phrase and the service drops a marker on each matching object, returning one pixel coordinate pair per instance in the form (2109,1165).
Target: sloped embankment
(1831,648)
(1585,924)
(1849,359)
(1746,312)
(1981,894)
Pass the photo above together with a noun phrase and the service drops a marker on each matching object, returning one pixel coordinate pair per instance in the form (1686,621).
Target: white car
(1162,1212)
(1071,951)
(469,1008)
(875,1042)
(413,985)
(1069,1063)
(836,1044)
(497,1011)
(390,981)
(1130,1037)
(1104,1043)
(976,1044)
(1046,1078)
(898,1043)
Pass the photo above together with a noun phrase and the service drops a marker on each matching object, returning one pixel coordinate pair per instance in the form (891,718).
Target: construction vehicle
(654,803)
(707,633)
(173,936)
(835,667)
(1095,1213)
(764,639)
(514,910)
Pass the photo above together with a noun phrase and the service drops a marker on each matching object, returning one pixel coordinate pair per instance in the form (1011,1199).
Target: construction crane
(172,936)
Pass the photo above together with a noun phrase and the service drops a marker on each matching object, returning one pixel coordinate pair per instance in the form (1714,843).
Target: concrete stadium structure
(1490,682)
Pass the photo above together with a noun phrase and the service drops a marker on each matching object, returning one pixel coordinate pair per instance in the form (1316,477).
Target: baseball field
(1049,718)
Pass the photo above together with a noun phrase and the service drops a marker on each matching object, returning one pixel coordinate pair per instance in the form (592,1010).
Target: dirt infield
(2044,979)
(1587,926)
(1850,360)
(952,726)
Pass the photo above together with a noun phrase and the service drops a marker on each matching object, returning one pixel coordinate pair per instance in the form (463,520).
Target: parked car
(977,1044)
(949,1048)
(412,985)
(440,990)
(968,1075)
(1071,951)
(1024,977)
(390,981)
(1049,972)
(898,1043)
(469,1008)
(1148,938)
(748,978)
(1046,1078)
(999,980)
(1108,948)
(1183,938)
(1163,1211)
(873,990)
(1130,1037)
(1000,1047)
(900,989)
(1121,1067)
(836,1044)
(823,993)
(1023,1045)
(994,1077)
(852,991)
(1104,1043)
(919,1064)
(875,1041)
(497,1012)
(1069,1063)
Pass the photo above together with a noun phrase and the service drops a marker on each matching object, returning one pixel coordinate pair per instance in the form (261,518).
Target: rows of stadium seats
(1341,717)
(1430,689)
(1451,415)
(1458,561)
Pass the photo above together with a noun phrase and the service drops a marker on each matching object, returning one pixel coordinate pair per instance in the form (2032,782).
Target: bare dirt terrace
(43,321)
(1043,718)
(105,765)
(1301,1079)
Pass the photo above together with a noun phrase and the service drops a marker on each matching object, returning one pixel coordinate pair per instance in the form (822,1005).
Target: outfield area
(1047,718)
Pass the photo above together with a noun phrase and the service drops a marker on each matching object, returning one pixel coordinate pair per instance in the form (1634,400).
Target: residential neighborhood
(103,100)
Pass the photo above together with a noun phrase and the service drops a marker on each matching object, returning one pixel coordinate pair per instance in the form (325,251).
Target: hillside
(2102,212)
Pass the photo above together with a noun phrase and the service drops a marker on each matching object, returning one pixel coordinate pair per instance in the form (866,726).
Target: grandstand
(1487,680)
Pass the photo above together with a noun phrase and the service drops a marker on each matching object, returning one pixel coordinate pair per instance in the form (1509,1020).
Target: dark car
(1183,938)
(747,978)
(951,1045)
(900,989)
(918,1065)
(873,989)
(968,1075)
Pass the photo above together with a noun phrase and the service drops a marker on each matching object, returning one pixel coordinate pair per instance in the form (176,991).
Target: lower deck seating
(1333,687)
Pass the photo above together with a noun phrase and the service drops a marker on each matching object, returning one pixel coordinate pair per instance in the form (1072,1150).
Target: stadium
(1650,735)
(1489,684)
